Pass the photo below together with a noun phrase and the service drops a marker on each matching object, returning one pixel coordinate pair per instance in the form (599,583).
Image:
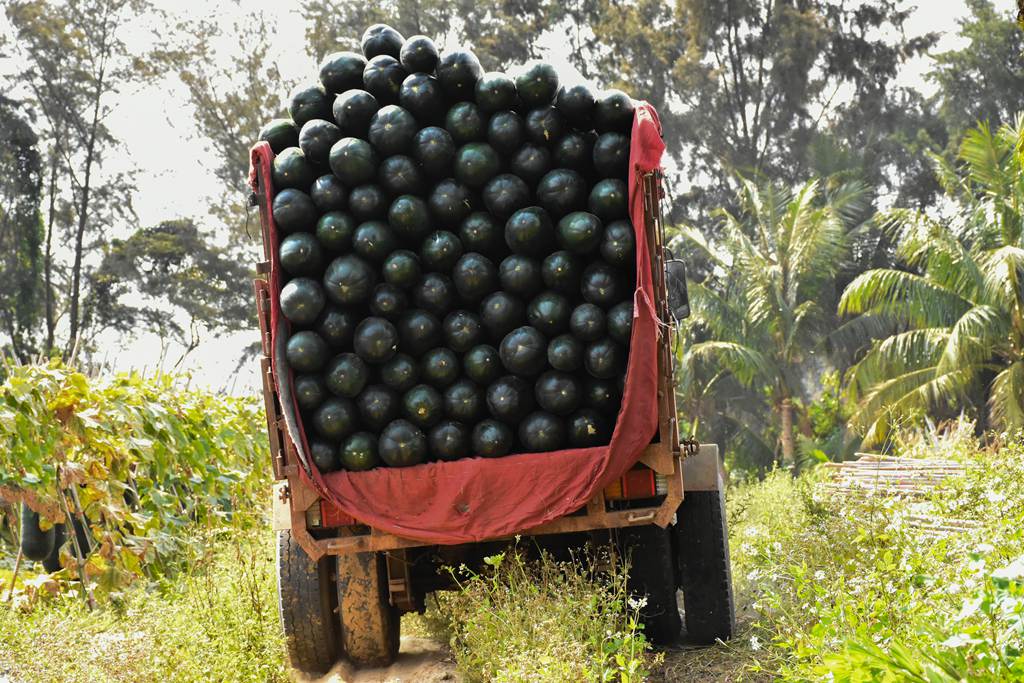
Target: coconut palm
(958,300)
(759,319)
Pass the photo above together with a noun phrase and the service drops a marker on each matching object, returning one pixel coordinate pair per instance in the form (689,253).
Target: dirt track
(421,660)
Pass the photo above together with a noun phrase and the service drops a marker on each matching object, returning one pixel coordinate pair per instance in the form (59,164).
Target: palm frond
(896,356)
(1006,397)
(1002,270)
(745,363)
(906,296)
(974,338)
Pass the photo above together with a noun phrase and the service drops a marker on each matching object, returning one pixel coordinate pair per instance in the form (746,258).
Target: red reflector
(638,483)
(332,516)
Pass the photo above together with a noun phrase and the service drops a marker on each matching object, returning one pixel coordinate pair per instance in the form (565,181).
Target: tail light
(637,483)
(326,515)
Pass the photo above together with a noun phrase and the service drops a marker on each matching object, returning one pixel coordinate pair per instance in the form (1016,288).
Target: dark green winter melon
(465,122)
(505,194)
(482,364)
(541,432)
(401,373)
(601,395)
(495,91)
(474,276)
(300,254)
(577,105)
(575,150)
(349,280)
(306,352)
(537,84)
(491,439)
(375,340)
(440,251)
(529,232)
(341,71)
(368,202)
(374,241)
(562,191)
(462,330)
(402,444)
(324,454)
(381,39)
(359,452)
(392,129)
(354,161)
(435,293)
(418,331)
(618,247)
(400,175)
(506,131)
(402,268)
(302,299)
(434,148)
(418,55)
(316,139)
(565,353)
(423,405)
(307,102)
(346,374)
(293,211)
(439,367)
(602,284)
(334,230)
(388,301)
(611,155)
(336,326)
(524,351)
(378,405)
(587,322)
(409,217)
(545,125)
(383,78)
(458,72)
(520,275)
(476,164)
(450,202)
(280,134)
(549,312)
(509,399)
(328,193)
(531,162)
(620,322)
(501,313)
(557,392)
(310,391)
(609,200)
(603,358)
(613,112)
(580,232)
(587,428)
(463,401)
(449,440)
(291,169)
(560,272)
(423,97)
(482,233)
(353,110)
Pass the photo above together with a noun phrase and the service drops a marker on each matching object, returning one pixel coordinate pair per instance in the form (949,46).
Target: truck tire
(306,607)
(648,549)
(36,544)
(369,623)
(705,576)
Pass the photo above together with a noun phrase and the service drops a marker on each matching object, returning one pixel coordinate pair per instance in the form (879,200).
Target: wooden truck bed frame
(293,497)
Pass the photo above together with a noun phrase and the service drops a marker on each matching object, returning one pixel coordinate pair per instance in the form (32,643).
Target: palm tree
(958,303)
(758,320)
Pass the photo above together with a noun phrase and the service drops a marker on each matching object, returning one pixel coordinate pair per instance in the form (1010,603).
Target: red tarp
(479,498)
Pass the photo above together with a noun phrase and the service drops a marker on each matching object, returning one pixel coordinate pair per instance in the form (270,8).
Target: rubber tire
(306,607)
(36,544)
(648,549)
(701,540)
(52,561)
(370,625)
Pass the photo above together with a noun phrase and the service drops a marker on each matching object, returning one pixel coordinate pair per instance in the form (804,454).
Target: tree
(20,229)
(758,322)
(958,298)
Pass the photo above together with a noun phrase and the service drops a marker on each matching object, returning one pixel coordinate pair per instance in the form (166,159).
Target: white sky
(174,171)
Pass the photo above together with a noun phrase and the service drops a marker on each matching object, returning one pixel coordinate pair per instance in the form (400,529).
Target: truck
(344,583)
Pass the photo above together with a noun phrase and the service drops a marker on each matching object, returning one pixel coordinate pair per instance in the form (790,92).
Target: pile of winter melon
(457,257)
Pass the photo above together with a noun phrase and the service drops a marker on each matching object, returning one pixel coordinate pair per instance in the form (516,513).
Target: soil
(420,660)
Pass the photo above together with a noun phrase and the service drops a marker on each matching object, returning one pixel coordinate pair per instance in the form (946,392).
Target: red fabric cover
(475,499)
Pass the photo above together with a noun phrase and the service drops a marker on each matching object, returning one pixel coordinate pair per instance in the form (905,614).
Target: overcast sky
(174,177)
